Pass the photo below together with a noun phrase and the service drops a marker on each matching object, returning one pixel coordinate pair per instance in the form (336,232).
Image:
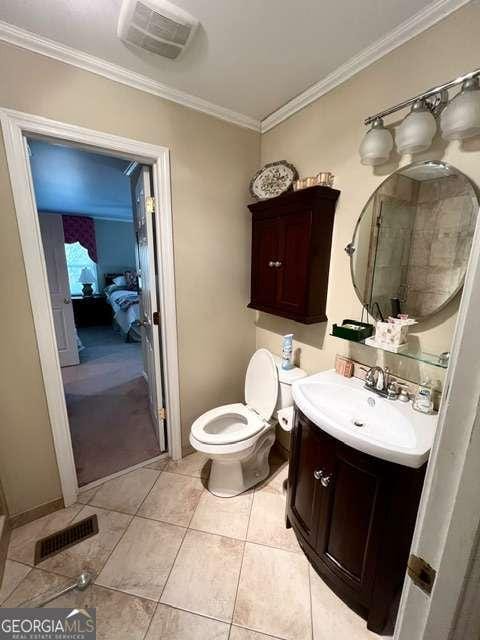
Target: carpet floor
(107,404)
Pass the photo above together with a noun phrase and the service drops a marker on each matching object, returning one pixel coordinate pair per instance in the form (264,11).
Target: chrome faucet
(378,381)
(375,379)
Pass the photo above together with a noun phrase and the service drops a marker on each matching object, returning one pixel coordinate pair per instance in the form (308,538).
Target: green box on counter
(352,330)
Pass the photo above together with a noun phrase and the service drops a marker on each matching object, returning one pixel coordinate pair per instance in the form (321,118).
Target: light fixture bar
(425,94)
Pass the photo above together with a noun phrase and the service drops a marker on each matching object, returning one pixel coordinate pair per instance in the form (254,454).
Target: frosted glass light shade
(461,117)
(416,132)
(376,145)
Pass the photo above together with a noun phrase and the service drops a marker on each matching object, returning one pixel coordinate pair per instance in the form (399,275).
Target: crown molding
(395,38)
(27,40)
(405,31)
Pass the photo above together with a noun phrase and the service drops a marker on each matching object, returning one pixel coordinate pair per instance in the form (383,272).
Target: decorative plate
(273,179)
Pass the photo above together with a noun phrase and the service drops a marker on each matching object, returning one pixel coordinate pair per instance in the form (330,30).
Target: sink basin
(387,429)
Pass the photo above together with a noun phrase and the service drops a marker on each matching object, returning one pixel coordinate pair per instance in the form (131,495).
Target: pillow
(131,280)
(121,281)
(111,288)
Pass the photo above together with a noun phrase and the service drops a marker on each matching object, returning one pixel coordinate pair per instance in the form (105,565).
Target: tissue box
(391,333)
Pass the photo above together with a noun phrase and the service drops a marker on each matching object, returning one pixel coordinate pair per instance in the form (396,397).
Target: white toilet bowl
(238,437)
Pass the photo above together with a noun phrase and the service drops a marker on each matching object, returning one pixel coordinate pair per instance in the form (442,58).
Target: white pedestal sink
(387,429)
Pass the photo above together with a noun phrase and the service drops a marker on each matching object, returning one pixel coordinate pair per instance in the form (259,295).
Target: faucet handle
(393,391)
(370,377)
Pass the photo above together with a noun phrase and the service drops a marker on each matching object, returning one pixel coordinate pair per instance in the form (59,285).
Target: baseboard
(4,540)
(37,512)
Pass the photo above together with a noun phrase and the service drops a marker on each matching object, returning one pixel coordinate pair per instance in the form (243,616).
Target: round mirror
(411,244)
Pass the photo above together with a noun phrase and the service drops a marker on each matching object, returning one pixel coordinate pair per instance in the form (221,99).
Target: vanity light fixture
(460,119)
(377,144)
(416,132)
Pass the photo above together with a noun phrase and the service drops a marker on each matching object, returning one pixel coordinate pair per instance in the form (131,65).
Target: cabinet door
(311,455)
(264,255)
(294,256)
(349,517)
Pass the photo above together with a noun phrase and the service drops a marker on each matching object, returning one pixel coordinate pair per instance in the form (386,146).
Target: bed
(125,303)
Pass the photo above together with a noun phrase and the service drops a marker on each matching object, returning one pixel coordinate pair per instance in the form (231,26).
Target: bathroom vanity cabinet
(291,245)
(354,516)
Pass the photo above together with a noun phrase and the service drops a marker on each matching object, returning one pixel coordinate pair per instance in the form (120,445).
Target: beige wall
(212,162)
(325,137)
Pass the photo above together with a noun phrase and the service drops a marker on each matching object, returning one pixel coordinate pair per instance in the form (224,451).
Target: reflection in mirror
(413,239)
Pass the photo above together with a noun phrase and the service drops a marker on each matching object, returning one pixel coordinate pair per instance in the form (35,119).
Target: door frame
(16,125)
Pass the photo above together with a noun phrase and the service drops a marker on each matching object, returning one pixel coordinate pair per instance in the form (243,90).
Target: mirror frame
(352,244)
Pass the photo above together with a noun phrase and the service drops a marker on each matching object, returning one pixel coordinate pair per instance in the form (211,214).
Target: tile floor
(173,562)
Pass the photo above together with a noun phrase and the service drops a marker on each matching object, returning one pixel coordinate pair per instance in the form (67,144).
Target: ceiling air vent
(157,26)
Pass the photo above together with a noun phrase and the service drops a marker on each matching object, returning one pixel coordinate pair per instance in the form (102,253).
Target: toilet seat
(227,424)
(232,423)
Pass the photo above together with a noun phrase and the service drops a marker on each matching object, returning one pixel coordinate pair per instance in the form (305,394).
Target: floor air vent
(61,540)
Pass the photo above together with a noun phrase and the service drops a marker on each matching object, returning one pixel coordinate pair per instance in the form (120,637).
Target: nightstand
(91,311)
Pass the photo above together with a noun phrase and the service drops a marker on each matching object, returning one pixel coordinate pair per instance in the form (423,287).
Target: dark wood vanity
(291,245)
(354,516)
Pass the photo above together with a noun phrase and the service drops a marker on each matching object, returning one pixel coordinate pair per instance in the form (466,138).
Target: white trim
(46,47)
(14,126)
(405,31)
(122,472)
(167,303)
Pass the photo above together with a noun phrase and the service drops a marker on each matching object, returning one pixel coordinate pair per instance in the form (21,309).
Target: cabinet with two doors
(353,516)
(291,246)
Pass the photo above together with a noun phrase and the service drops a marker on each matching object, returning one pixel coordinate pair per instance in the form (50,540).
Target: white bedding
(124,319)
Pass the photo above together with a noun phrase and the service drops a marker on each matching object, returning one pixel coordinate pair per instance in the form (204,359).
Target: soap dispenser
(423,401)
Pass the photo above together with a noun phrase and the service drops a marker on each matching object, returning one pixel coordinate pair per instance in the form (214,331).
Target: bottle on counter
(423,400)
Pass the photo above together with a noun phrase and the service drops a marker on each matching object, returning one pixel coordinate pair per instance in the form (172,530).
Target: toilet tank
(285,380)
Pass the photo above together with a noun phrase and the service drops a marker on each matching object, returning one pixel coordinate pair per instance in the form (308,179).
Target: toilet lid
(261,383)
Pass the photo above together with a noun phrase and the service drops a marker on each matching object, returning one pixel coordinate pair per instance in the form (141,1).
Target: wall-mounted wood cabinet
(291,245)
(353,516)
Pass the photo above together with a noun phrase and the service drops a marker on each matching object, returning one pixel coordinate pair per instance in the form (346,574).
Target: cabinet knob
(318,474)
(278,264)
(271,263)
(326,480)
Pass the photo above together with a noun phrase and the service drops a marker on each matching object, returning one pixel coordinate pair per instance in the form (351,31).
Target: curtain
(81,229)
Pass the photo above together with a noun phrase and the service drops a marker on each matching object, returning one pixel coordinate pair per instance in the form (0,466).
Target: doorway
(17,128)
(99,250)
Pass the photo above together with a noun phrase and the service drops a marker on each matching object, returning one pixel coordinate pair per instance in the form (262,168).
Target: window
(78,258)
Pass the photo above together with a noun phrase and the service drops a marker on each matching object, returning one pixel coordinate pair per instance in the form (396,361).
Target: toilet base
(232,474)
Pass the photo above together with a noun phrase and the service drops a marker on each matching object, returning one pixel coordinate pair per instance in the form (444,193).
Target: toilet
(238,437)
